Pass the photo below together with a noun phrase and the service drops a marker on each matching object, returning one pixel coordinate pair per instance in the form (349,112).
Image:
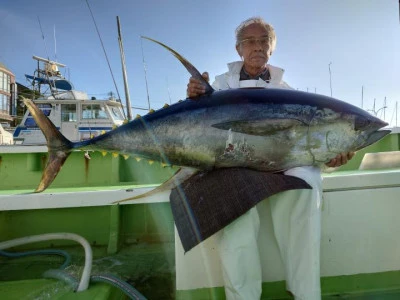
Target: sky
(348,47)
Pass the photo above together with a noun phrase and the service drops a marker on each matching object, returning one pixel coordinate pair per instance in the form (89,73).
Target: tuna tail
(59,146)
(191,69)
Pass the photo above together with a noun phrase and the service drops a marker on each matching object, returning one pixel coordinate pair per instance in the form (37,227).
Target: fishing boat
(75,115)
(133,249)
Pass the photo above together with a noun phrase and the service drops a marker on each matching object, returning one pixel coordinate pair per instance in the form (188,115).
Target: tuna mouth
(372,138)
(369,131)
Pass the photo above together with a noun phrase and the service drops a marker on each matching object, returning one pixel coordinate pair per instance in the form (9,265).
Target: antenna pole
(376,113)
(127,96)
(169,94)
(384,109)
(55,44)
(362,96)
(145,73)
(44,40)
(330,77)
(104,50)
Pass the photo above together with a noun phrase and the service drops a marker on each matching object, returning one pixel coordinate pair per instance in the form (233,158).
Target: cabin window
(68,112)
(116,112)
(30,121)
(93,111)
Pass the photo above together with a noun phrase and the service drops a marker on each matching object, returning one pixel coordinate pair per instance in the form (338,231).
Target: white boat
(76,115)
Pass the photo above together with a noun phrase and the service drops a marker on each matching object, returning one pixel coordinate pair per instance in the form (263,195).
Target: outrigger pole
(121,49)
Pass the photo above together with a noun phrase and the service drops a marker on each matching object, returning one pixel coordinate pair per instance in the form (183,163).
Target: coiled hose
(63,253)
(115,281)
(84,282)
(59,274)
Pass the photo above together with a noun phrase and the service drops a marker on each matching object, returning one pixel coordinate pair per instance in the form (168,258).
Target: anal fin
(180,176)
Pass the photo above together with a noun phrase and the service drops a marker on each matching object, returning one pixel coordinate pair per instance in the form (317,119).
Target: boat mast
(121,49)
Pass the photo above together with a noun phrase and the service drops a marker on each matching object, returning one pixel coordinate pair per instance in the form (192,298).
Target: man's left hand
(340,159)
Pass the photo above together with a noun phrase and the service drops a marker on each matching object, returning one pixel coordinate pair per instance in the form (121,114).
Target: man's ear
(239,50)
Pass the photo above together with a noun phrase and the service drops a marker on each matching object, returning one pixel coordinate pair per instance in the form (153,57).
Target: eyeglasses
(264,41)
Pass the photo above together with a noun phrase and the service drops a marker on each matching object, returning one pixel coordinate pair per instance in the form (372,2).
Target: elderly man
(296,215)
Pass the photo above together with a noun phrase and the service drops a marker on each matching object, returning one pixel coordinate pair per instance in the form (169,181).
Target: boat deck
(150,268)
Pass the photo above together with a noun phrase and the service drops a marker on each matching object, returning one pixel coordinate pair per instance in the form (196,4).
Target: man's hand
(340,159)
(195,87)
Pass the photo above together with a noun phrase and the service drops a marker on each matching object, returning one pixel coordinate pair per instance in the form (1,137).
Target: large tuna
(261,129)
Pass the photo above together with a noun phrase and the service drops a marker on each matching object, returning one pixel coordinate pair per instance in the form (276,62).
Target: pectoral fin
(258,127)
(180,176)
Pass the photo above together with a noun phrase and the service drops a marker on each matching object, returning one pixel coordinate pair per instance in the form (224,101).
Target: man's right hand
(195,87)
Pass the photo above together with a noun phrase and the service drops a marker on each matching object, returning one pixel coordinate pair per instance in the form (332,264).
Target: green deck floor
(150,268)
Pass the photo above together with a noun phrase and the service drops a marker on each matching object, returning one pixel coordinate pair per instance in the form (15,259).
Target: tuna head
(367,128)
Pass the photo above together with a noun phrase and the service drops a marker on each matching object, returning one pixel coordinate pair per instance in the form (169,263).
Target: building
(8,95)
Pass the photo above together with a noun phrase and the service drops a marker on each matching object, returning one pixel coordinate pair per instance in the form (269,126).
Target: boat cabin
(76,119)
(72,112)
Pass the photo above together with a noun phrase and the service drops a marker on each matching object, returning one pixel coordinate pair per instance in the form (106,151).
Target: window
(2,81)
(3,103)
(116,112)
(30,121)
(68,112)
(93,111)
(7,83)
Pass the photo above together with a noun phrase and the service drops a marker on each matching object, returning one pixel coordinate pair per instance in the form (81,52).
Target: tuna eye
(361,123)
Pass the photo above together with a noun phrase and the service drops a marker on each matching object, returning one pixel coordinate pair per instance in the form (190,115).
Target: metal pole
(330,77)
(169,94)
(384,109)
(362,96)
(127,96)
(375,112)
(145,74)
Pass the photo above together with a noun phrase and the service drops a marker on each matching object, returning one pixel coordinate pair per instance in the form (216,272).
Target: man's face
(255,46)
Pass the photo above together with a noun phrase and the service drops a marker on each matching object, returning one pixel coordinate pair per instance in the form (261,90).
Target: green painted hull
(140,236)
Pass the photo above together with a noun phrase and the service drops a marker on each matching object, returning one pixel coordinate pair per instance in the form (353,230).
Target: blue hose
(39,252)
(129,290)
(115,281)
(60,274)
(63,276)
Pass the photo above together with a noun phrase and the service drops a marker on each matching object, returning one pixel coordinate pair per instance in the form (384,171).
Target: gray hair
(256,20)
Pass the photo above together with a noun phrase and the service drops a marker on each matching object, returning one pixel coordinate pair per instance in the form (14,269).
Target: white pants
(296,217)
